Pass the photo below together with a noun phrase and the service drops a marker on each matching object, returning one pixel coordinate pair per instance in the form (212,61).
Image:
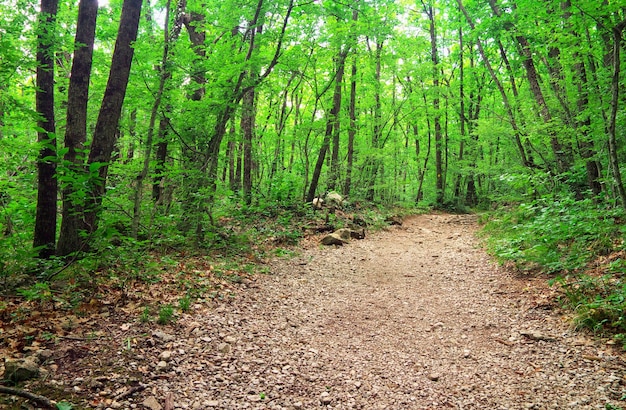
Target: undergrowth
(580,245)
(234,247)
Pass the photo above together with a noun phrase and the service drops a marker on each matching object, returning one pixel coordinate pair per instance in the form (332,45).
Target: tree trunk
(374,162)
(164,76)
(560,151)
(500,87)
(434,55)
(161,158)
(111,108)
(76,130)
(46,217)
(331,121)
(351,131)
(247,128)
(615,86)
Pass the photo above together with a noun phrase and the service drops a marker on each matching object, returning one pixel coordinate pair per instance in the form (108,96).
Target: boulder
(394,220)
(333,239)
(333,200)
(19,370)
(343,235)
(317,203)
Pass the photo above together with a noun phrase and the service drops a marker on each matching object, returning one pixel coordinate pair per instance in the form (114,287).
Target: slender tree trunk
(247,128)
(374,162)
(162,145)
(560,151)
(76,129)
(46,217)
(503,94)
(434,55)
(331,121)
(615,88)
(164,76)
(111,108)
(351,130)
(582,122)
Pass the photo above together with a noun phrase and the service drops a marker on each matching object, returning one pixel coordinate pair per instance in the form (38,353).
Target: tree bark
(76,130)
(351,131)
(496,80)
(46,216)
(374,162)
(331,121)
(164,76)
(615,88)
(111,108)
(560,151)
(434,55)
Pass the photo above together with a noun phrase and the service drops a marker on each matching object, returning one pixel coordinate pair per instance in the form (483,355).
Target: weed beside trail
(580,245)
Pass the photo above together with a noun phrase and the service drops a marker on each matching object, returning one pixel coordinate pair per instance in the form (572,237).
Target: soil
(414,317)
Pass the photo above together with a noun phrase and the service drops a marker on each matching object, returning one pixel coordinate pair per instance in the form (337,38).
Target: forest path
(417,317)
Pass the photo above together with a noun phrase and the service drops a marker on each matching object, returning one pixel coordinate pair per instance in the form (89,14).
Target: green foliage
(39,292)
(554,236)
(599,302)
(166,314)
(145,315)
(569,238)
(184,303)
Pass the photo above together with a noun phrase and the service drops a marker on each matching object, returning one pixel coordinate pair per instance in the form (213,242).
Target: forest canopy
(154,120)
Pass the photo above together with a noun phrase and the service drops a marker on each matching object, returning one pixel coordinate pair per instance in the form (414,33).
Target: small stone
(44,355)
(163,336)
(230,339)
(212,403)
(467,353)
(152,403)
(434,376)
(297,405)
(325,398)
(224,348)
(165,355)
(162,365)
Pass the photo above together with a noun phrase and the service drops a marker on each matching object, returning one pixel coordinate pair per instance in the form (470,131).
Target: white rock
(152,403)
(165,355)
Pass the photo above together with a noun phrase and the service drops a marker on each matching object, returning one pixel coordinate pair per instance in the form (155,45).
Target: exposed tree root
(35,398)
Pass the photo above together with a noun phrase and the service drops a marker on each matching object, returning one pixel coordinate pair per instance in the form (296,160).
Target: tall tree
(105,132)
(560,150)
(615,100)
(434,55)
(164,76)
(76,130)
(352,129)
(46,218)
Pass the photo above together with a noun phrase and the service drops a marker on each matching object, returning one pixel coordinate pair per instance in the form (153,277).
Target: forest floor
(413,317)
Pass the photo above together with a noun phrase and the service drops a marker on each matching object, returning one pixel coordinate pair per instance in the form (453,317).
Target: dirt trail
(413,318)
(416,317)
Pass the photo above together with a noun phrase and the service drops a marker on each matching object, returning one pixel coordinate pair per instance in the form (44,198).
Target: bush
(570,239)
